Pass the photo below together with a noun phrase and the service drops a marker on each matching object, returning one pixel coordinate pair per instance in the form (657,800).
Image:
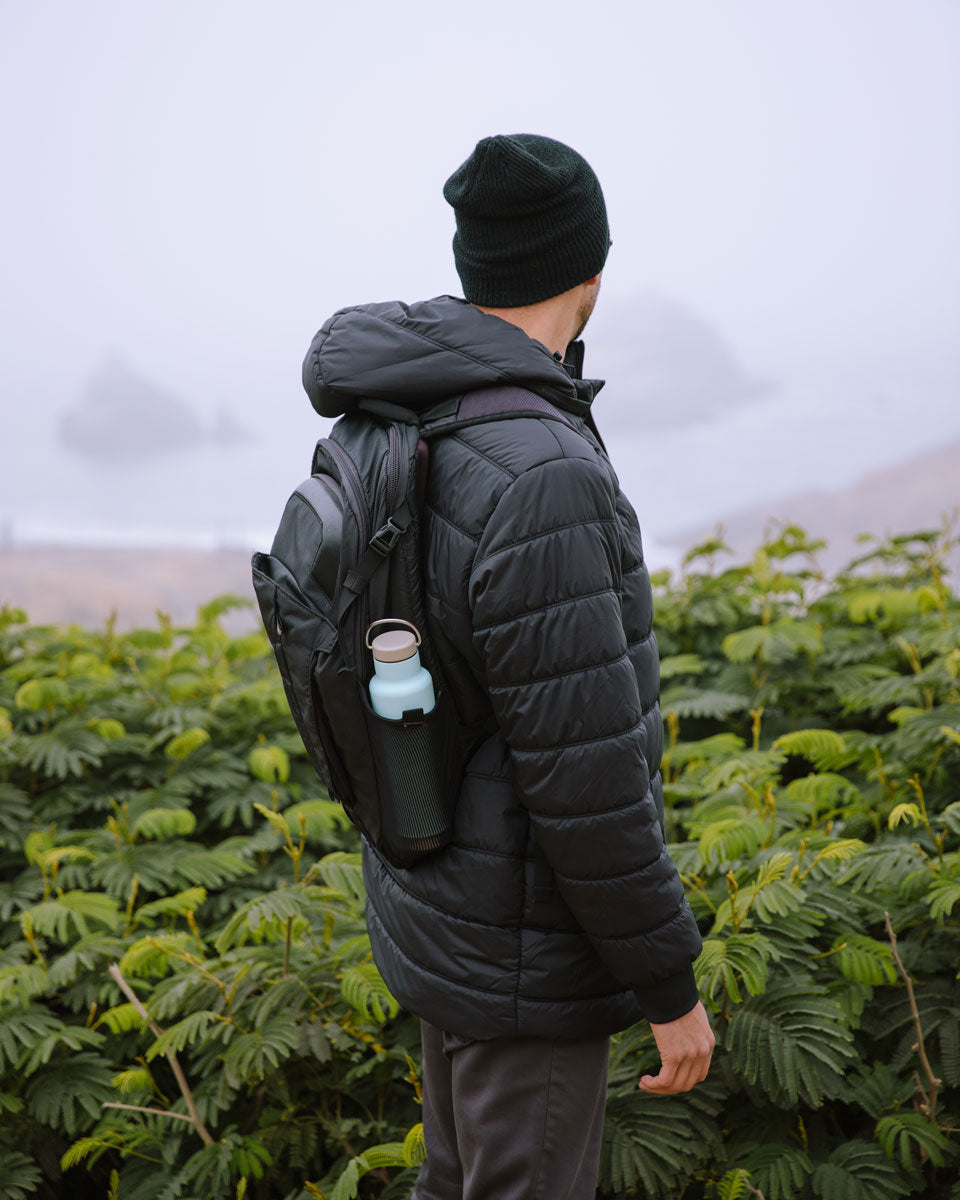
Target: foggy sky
(197,186)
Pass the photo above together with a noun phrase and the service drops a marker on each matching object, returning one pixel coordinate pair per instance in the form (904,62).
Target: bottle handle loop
(391,621)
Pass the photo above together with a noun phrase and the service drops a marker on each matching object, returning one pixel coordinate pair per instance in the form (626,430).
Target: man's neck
(551,322)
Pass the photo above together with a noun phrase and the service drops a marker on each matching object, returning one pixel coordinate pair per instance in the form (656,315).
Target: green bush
(166,849)
(188,1008)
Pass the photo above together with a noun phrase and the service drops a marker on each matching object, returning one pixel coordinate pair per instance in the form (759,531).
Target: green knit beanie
(531,221)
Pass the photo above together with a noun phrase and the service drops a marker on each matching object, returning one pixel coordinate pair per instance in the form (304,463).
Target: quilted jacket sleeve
(546,593)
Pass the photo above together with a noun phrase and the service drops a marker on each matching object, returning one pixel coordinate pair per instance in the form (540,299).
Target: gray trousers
(511,1118)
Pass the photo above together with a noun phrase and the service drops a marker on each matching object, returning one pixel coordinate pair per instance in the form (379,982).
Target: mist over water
(807,437)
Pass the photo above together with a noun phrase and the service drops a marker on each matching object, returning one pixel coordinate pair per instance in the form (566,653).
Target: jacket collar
(416,355)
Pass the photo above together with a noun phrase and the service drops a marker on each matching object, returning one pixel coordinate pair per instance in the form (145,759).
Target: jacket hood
(415,355)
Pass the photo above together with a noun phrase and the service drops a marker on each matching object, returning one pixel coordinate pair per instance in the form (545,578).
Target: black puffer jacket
(557,910)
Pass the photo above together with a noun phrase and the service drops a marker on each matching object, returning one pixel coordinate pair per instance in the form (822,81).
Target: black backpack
(348,553)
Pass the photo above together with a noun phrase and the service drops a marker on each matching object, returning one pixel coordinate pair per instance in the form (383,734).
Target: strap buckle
(384,540)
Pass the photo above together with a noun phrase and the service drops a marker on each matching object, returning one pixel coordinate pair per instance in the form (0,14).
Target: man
(556,916)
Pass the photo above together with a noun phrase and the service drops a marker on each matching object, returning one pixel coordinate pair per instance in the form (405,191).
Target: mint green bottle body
(400,686)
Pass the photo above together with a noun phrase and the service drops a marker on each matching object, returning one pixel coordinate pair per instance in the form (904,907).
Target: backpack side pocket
(419,771)
(299,636)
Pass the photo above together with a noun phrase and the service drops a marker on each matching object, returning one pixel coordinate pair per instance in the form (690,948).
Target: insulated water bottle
(410,751)
(399,684)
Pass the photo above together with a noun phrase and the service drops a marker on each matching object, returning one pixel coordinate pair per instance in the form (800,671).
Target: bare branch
(157,1112)
(181,1079)
(930,1098)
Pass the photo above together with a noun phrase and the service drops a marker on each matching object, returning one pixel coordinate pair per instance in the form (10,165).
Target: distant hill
(122,416)
(912,495)
(666,360)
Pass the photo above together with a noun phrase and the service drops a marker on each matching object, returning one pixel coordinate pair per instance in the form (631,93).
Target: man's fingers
(663,1081)
(686,1047)
(679,1076)
(668,1085)
(673,1077)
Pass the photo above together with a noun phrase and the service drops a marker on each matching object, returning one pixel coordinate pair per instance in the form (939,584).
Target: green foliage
(904,1134)
(19,1175)
(793,1040)
(158,812)
(727,965)
(657,1141)
(858,1170)
(817,797)
(778,1170)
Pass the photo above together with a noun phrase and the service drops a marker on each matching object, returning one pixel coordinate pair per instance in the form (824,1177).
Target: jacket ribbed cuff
(669,999)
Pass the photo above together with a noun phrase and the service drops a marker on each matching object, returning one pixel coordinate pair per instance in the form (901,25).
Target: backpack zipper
(350,477)
(393,467)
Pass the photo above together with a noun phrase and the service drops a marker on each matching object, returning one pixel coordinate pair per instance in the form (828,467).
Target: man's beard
(583,313)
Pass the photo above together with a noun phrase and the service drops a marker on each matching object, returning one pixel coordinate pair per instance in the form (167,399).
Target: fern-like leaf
(730,839)
(656,1142)
(778,1170)
(53,918)
(210,868)
(878,1090)
(23,982)
(19,1175)
(136,1079)
(724,965)
(942,896)
(859,1170)
(151,955)
(70,1092)
(15,816)
(177,905)
(251,1054)
(21,1029)
(793,1041)
(939,1008)
(322,819)
(753,766)
(72,1037)
(863,959)
(681,664)
(184,1033)
(903,1132)
(69,748)
(825,748)
(890,690)
(822,791)
(364,990)
(276,906)
(414,1147)
(343,873)
(777,642)
(702,704)
(733,1185)
(158,823)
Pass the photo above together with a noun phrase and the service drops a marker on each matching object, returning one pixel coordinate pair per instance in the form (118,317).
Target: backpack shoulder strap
(473,408)
(380,546)
(490,404)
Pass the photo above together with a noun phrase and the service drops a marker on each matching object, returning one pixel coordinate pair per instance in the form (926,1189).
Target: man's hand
(686,1047)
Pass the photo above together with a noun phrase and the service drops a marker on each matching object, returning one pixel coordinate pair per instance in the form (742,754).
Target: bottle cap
(395,646)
